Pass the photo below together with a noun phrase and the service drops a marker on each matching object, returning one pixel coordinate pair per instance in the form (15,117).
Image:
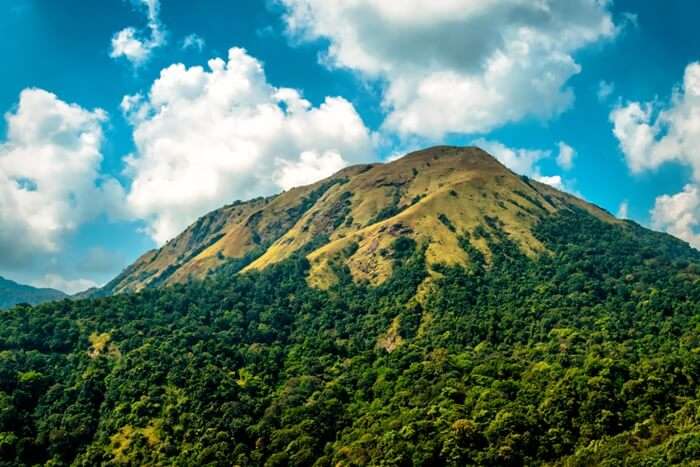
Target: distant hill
(12,293)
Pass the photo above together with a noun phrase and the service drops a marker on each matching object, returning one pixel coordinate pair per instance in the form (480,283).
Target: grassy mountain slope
(234,232)
(12,293)
(431,196)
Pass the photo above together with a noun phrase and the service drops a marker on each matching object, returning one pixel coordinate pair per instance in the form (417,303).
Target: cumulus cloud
(678,214)
(193,41)
(521,161)
(309,168)
(654,133)
(457,65)
(651,134)
(49,175)
(205,137)
(135,45)
(565,158)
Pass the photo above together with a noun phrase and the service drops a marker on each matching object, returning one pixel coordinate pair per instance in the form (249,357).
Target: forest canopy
(588,354)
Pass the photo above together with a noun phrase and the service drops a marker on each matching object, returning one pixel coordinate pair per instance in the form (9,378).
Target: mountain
(430,196)
(12,293)
(438,310)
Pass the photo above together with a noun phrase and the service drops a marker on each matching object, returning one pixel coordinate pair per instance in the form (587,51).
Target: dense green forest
(586,355)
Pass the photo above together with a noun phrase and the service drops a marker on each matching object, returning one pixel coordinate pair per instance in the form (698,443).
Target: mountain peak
(437,197)
(446,151)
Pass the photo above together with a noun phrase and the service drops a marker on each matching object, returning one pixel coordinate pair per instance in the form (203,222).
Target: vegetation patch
(391,339)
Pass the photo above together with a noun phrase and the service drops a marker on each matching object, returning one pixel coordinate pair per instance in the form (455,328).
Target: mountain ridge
(13,293)
(433,195)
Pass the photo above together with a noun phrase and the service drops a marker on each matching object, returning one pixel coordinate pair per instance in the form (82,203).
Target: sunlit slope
(438,196)
(235,231)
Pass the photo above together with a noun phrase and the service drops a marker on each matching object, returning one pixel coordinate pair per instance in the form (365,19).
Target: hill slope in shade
(12,293)
(432,196)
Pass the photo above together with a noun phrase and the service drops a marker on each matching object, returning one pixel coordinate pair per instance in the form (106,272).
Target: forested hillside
(585,354)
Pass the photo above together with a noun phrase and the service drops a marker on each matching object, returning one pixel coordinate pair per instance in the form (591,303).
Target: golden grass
(466,198)
(463,184)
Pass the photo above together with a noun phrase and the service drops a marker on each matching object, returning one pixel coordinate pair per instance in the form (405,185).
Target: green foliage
(587,355)
(447,222)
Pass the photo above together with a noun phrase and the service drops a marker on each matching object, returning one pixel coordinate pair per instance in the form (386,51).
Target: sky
(126,120)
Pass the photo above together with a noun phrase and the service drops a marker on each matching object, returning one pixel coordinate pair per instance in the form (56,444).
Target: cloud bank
(50,179)
(203,138)
(457,66)
(651,134)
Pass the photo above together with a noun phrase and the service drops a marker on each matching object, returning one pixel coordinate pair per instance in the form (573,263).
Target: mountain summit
(434,196)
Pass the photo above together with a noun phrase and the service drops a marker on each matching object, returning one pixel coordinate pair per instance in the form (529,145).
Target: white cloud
(605,89)
(126,44)
(193,41)
(678,214)
(49,175)
(551,180)
(309,168)
(521,161)
(623,210)
(137,46)
(207,137)
(457,65)
(651,134)
(565,158)
(69,286)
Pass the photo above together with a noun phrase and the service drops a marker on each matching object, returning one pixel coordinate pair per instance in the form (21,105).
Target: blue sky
(303,87)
